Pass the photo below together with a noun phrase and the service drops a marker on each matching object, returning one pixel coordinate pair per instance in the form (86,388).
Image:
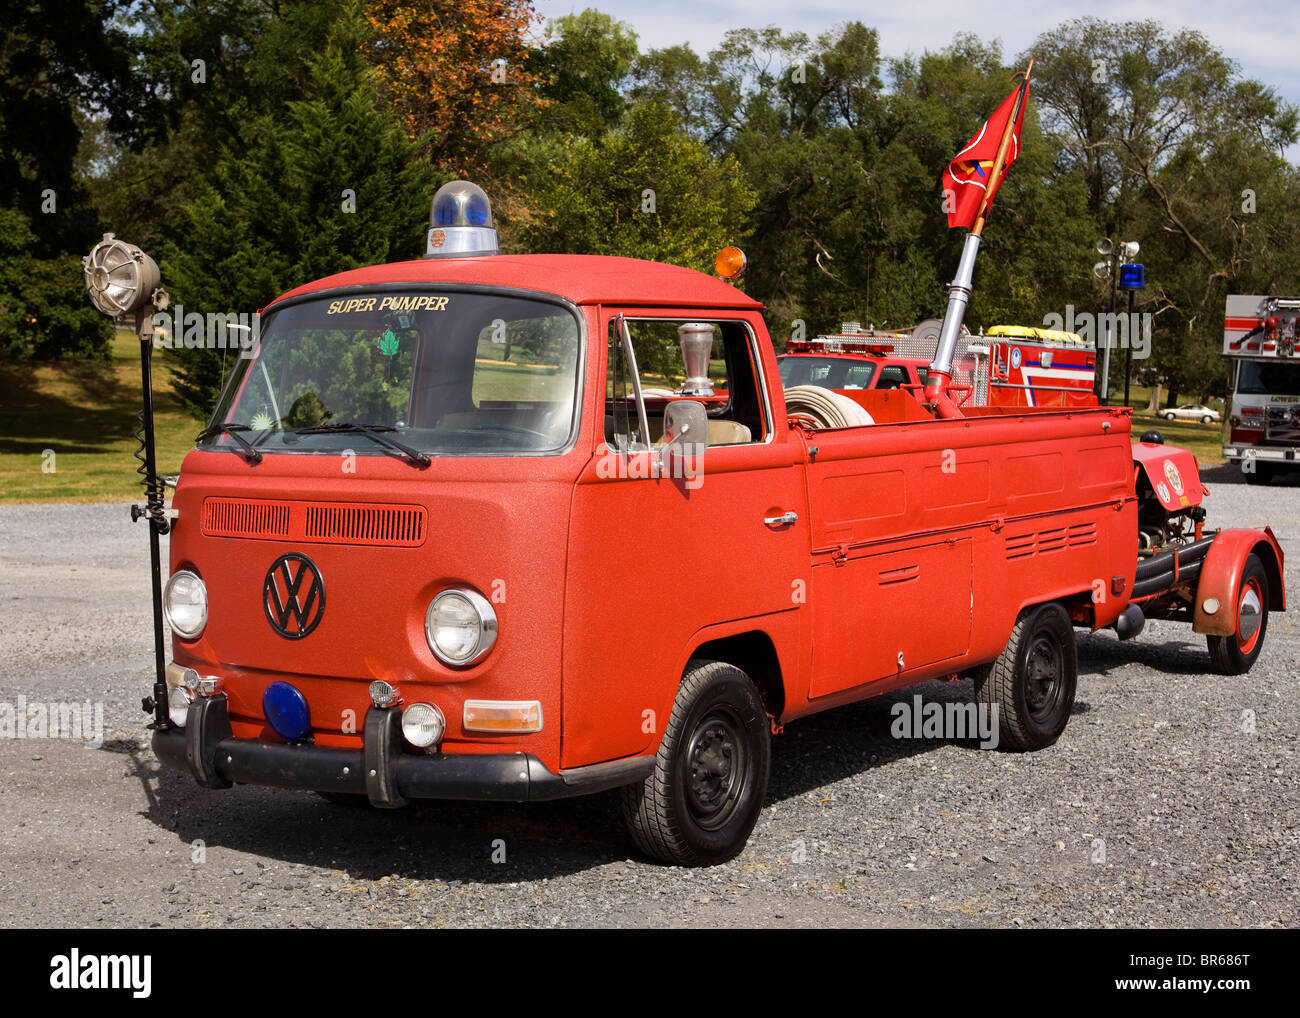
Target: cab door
(655,561)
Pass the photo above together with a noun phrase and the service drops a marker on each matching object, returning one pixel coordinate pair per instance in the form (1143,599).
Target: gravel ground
(1171,801)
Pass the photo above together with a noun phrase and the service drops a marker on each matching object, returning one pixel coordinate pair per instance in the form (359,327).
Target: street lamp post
(1128,352)
(1127,249)
(1132,277)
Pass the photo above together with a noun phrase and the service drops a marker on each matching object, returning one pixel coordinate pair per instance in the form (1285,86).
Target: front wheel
(701,801)
(1234,655)
(1171,417)
(1207,420)
(1033,680)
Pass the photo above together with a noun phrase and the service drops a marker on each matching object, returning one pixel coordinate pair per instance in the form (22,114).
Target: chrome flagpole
(940,374)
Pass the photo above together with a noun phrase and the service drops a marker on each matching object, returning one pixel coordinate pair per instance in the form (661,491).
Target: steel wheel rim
(716,769)
(1250,615)
(1044,678)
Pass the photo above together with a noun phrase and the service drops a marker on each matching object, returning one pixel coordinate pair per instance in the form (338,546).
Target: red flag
(967,177)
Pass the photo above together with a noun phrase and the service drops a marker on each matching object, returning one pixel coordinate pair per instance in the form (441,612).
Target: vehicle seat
(721,432)
(728,433)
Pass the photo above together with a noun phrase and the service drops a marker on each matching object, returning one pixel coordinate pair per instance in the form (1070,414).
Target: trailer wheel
(1233,655)
(1033,680)
(701,801)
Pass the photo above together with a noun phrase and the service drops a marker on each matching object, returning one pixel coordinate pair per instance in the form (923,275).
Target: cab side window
(726,382)
(892,377)
(858,376)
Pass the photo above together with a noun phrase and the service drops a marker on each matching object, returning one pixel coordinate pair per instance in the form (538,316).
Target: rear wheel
(1032,682)
(1233,655)
(701,801)
(1207,419)
(1171,417)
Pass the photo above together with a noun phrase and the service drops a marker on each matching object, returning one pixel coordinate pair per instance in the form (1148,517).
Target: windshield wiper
(246,448)
(373,431)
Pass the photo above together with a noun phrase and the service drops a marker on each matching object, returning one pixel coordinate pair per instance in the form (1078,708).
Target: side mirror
(686,434)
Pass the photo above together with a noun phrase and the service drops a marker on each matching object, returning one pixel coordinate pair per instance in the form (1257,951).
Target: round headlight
(185,603)
(178,705)
(461,627)
(423,725)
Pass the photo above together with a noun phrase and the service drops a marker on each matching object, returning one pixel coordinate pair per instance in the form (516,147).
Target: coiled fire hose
(823,408)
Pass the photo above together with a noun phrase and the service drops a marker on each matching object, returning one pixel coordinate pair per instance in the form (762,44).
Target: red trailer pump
(483,526)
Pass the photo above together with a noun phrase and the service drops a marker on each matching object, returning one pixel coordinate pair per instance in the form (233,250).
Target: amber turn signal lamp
(502,716)
(729,264)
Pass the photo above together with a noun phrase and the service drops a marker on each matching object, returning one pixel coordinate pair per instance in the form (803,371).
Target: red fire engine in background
(1012,366)
(1261,335)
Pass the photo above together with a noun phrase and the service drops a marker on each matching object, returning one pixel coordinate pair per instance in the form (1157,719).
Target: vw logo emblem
(293,596)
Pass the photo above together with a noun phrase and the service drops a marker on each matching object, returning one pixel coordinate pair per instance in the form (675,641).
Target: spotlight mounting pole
(154,510)
(121,281)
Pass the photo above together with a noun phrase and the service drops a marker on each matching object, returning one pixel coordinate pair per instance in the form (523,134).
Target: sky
(1261,35)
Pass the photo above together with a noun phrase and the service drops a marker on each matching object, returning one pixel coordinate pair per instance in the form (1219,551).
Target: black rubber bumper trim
(493,777)
(382,749)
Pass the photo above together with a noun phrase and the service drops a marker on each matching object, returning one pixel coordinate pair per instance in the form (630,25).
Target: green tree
(330,183)
(1169,138)
(55,61)
(643,190)
(584,68)
(201,70)
(848,220)
(44,312)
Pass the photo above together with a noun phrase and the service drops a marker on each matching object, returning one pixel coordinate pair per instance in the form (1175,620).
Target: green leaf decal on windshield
(388,345)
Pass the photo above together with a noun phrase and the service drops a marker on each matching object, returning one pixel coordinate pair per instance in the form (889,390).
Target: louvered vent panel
(1046,541)
(400,526)
(237,517)
(1051,540)
(1083,533)
(1020,545)
(359,524)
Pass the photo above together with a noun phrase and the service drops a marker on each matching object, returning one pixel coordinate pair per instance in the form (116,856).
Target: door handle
(785,519)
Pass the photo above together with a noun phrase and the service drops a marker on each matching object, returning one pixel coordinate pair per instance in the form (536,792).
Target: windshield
(828,372)
(1269,378)
(440,372)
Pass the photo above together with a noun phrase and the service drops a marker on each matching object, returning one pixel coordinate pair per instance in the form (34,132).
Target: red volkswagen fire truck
(486,526)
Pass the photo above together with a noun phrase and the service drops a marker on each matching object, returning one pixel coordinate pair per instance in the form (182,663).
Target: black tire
(1234,655)
(1032,682)
(699,805)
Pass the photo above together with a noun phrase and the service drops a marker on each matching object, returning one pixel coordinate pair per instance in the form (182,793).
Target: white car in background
(1192,412)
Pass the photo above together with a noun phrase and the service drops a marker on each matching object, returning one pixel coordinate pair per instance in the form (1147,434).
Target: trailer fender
(1221,574)
(1172,473)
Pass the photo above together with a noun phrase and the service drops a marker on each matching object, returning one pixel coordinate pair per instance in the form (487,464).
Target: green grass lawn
(1204,440)
(66,428)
